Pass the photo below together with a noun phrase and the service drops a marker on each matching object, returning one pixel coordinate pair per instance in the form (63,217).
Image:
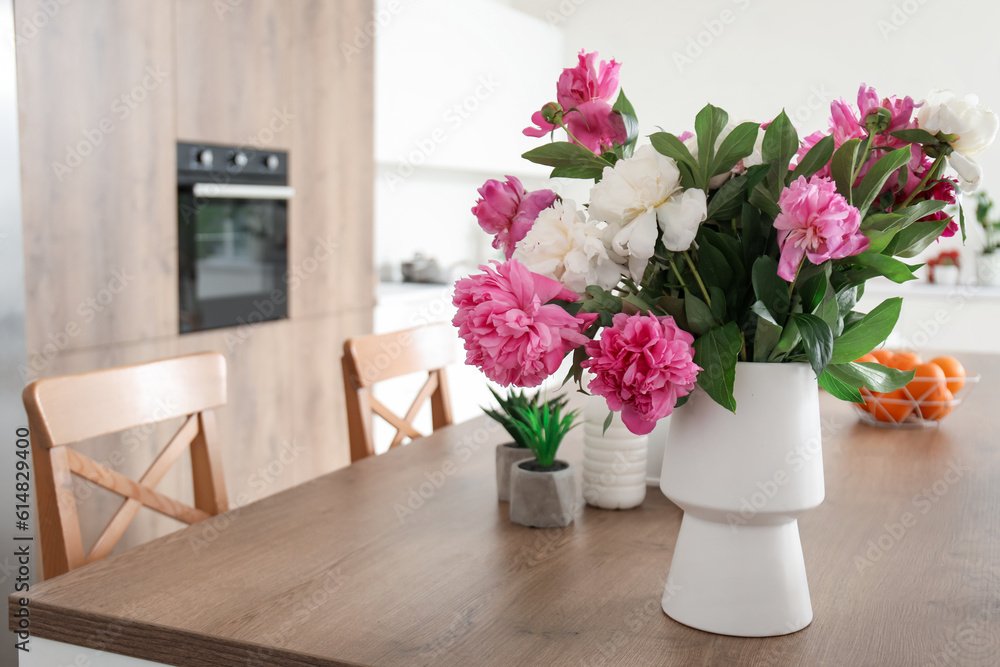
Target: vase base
(738,580)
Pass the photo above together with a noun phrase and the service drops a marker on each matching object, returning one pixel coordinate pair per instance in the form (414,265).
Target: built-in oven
(233,235)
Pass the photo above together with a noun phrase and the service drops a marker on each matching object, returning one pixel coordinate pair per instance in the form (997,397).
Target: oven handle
(231,191)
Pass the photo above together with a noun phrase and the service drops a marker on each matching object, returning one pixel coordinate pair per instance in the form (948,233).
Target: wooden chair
(71,408)
(369,360)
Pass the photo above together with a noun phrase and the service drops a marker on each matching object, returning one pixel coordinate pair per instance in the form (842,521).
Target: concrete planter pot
(507,455)
(542,497)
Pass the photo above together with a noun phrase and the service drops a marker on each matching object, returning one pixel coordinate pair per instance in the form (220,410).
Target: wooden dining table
(408,559)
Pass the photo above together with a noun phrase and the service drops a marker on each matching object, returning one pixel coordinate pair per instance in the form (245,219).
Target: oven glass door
(233,260)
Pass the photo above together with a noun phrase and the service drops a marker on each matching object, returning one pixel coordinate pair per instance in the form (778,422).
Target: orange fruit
(926,378)
(936,405)
(905,361)
(896,409)
(953,371)
(882,356)
(867,358)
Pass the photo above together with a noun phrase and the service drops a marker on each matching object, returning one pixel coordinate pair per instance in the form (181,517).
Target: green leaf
(607,421)
(904,216)
(767,336)
(839,389)
(876,177)
(780,140)
(829,311)
(669,145)
(625,109)
(867,334)
(779,146)
(727,200)
(714,268)
(893,269)
(770,288)
(762,198)
(916,136)
(565,154)
(817,158)
(842,167)
(817,337)
(873,377)
(914,239)
(718,303)
(878,240)
(847,298)
(708,125)
(717,352)
(601,300)
(881,222)
(591,172)
(961,221)
(813,290)
(699,315)
(790,339)
(737,145)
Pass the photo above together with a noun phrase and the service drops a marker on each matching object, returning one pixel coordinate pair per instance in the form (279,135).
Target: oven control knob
(205,157)
(272,162)
(240,159)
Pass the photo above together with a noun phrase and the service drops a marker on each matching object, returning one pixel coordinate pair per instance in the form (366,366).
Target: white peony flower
(975,125)
(562,245)
(970,174)
(637,194)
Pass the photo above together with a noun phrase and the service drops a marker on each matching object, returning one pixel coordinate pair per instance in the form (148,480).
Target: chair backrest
(71,408)
(369,360)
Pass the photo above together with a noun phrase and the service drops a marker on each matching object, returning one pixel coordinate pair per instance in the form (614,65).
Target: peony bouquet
(737,242)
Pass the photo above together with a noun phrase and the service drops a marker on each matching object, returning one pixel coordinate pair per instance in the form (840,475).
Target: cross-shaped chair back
(369,360)
(72,408)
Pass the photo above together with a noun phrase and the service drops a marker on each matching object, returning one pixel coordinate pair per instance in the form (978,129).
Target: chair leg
(359,411)
(441,402)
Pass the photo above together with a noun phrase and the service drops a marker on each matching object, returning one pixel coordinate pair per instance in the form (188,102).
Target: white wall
(456,82)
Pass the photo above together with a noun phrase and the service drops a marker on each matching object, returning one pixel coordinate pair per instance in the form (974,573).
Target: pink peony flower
(586,94)
(587,81)
(642,364)
(508,211)
(817,223)
(511,332)
(847,124)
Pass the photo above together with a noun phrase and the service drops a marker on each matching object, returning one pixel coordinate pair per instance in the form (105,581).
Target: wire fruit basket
(901,409)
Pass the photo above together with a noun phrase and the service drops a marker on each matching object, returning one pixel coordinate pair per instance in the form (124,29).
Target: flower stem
(677,272)
(575,140)
(923,182)
(791,285)
(866,148)
(697,277)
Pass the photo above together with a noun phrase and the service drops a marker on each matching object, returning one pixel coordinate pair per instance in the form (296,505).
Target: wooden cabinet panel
(96,103)
(319,417)
(332,163)
(234,76)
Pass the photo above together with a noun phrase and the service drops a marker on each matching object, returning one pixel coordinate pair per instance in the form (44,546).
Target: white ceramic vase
(743,480)
(614,461)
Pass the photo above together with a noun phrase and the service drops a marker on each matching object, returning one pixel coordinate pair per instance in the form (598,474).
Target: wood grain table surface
(408,559)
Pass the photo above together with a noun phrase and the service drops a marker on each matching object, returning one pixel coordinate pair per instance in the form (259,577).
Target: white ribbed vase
(614,462)
(743,480)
